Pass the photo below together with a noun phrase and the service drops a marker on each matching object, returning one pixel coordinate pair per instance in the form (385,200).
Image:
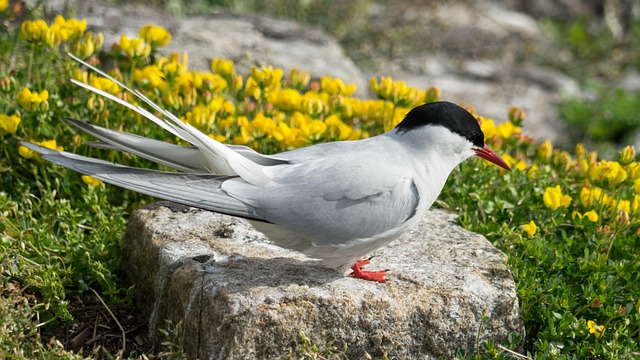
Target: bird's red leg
(358,273)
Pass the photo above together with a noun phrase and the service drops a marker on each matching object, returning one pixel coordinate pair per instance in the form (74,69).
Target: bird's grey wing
(199,190)
(184,158)
(336,201)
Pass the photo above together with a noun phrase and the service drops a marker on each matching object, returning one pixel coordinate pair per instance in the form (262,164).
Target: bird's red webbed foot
(358,273)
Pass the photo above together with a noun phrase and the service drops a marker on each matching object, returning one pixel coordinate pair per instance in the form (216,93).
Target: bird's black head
(446,114)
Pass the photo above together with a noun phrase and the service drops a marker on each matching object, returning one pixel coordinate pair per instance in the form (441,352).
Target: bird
(335,201)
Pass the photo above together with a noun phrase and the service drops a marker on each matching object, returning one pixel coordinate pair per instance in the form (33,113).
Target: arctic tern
(334,201)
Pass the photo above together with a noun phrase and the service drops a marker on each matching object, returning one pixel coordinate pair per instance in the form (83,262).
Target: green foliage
(569,272)
(173,344)
(589,50)
(307,350)
(610,117)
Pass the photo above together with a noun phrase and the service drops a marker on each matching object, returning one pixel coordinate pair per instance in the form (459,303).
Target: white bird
(335,201)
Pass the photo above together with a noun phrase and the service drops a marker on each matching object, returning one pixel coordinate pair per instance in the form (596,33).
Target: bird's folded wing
(199,190)
(334,202)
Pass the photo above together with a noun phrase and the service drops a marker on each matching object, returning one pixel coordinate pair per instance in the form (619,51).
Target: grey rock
(630,81)
(239,296)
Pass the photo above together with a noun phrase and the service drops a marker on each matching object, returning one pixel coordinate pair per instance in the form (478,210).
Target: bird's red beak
(490,155)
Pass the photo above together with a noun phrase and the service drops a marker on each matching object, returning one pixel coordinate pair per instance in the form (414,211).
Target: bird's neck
(434,154)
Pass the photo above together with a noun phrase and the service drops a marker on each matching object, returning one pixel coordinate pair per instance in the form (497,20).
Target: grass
(568,222)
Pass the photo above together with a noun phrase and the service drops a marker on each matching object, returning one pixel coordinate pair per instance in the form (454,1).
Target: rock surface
(241,297)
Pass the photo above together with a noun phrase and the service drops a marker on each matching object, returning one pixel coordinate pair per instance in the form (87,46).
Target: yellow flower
(155,36)
(104,84)
(134,48)
(212,82)
(252,88)
(608,172)
(88,45)
(91,181)
(150,75)
(286,99)
(636,186)
(580,151)
(624,206)
(80,75)
(266,77)
(29,100)
(68,29)
(28,153)
(34,31)
(84,48)
(287,135)
(553,198)
(228,107)
(590,215)
(222,67)
(533,171)
(4,4)
(520,165)
(506,129)
(336,128)
(595,329)
(488,128)
(531,228)
(562,160)
(204,116)
(635,205)
(173,98)
(9,123)
(396,92)
(25,152)
(262,125)
(545,150)
(218,137)
(513,163)
(175,65)
(311,130)
(312,105)
(588,197)
(633,170)
(335,86)
(299,79)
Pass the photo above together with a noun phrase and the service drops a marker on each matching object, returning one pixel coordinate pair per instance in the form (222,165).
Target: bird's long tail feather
(179,157)
(199,190)
(220,158)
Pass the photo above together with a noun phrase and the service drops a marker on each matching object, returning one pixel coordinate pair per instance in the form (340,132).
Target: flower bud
(432,94)
(580,151)
(516,115)
(562,160)
(544,150)
(627,155)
